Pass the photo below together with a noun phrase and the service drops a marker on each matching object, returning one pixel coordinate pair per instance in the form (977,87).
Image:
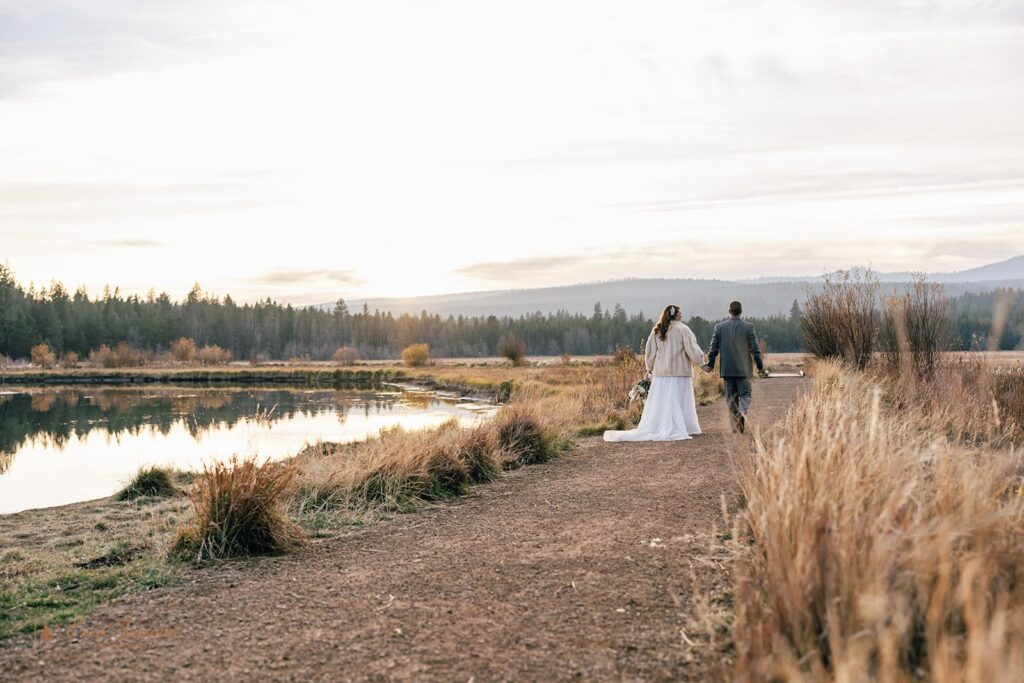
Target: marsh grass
(881,536)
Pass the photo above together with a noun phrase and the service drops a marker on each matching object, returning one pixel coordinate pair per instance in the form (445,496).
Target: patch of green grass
(29,605)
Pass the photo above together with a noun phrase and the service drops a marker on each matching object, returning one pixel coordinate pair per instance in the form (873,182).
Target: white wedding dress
(670,413)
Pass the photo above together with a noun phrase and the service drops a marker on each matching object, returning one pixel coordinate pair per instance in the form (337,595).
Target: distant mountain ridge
(698,297)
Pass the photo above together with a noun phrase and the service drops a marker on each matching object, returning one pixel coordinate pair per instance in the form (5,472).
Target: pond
(65,445)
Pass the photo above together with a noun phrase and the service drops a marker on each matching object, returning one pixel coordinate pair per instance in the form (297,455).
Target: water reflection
(61,445)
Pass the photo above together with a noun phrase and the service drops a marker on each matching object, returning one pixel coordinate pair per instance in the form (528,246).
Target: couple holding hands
(670,412)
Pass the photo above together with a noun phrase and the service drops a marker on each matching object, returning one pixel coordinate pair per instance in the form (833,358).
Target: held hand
(707,368)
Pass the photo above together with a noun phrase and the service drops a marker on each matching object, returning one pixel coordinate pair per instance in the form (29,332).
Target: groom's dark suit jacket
(736,342)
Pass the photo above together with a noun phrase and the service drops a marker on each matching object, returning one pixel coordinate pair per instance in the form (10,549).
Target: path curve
(580,569)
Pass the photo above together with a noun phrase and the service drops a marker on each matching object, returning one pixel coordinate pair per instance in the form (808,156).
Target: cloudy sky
(306,150)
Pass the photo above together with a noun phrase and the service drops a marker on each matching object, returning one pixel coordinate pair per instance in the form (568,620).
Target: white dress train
(670,413)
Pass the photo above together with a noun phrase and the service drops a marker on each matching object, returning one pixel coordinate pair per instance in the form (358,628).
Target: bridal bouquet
(639,391)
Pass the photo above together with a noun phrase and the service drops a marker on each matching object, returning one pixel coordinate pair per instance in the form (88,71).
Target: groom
(735,341)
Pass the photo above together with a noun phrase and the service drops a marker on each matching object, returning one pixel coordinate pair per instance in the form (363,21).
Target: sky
(311,150)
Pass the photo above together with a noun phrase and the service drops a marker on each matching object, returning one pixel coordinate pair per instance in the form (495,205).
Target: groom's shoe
(734,422)
(741,423)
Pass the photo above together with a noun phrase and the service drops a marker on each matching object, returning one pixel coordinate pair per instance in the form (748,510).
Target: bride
(670,413)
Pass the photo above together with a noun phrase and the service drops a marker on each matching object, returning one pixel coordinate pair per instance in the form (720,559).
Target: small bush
(345,355)
(512,347)
(521,437)
(121,356)
(154,482)
(42,356)
(566,359)
(213,355)
(102,357)
(70,360)
(183,350)
(416,355)
(238,511)
(5,362)
(624,353)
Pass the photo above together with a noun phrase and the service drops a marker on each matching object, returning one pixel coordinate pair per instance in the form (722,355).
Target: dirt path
(552,573)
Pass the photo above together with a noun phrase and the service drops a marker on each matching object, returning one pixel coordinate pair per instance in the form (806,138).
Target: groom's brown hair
(735,308)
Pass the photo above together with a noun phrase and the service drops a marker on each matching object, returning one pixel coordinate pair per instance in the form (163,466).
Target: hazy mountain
(1010,269)
(706,298)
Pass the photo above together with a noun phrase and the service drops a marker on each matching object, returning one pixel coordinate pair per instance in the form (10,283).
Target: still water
(65,445)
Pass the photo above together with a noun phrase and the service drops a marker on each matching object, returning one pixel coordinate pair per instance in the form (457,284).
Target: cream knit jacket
(674,355)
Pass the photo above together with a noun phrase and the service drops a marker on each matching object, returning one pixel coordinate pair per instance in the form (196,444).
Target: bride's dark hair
(667,316)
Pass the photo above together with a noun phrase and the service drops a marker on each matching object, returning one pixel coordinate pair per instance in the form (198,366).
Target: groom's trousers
(737,394)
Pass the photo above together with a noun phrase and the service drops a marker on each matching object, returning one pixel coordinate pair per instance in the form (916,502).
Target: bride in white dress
(670,413)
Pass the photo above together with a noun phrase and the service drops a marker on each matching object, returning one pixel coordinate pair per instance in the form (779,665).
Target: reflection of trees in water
(51,417)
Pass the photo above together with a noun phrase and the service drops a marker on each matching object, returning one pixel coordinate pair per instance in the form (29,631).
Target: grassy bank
(882,536)
(61,563)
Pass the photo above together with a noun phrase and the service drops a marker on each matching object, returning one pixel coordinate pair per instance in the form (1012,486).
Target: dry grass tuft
(521,437)
(239,510)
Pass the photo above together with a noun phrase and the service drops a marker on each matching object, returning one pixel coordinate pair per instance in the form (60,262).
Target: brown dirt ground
(584,568)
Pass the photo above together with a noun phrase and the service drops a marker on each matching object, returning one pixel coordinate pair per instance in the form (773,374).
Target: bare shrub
(213,355)
(239,510)
(840,319)
(416,355)
(70,360)
(183,350)
(345,355)
(916,329)
(512,347)
(566,359)
(42,356)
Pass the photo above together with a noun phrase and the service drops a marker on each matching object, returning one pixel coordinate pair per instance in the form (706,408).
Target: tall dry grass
(883,535)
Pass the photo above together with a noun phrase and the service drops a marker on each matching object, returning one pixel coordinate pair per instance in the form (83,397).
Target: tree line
(76,322)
